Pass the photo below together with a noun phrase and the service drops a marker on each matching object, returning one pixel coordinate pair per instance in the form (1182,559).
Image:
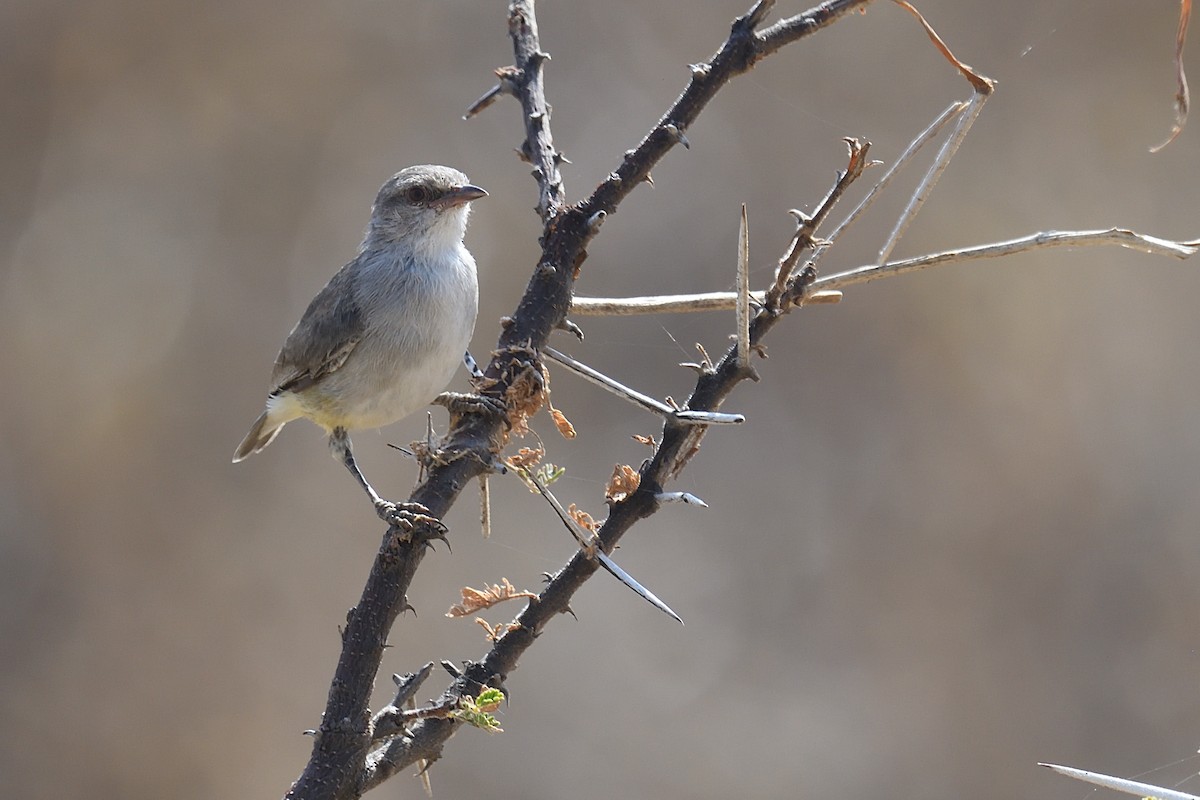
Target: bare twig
(506,77)
(743,292)
(829,288)
(675,303)
(1181,93)
(913,148)
(744,48)
(407,687)
(965,120)
(528,84)
(485,506)
(1037,241)
(787,287)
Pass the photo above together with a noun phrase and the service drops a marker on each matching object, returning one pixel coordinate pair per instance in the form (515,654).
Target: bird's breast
(420,318)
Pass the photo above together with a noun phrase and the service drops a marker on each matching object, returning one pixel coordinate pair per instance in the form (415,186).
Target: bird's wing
(323,338)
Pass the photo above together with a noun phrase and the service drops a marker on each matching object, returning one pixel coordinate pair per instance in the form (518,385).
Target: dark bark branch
(343,764)
(744,48)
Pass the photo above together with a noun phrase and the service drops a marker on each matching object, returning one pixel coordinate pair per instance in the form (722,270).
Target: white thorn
(596,220)
(1122,784)
(687,498)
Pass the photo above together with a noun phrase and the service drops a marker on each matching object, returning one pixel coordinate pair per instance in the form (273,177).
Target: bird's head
(425,206)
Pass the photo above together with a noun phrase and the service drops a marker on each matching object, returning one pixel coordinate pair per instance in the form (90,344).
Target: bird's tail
(262,433)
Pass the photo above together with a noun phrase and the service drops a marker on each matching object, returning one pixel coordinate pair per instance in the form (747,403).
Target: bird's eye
(417,194)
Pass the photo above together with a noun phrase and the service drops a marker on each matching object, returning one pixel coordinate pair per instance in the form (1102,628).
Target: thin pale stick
(722,301)
(485,505)
(947,151)
(743,291)
(1038,241)
(913,148)
(828,289)
(675,303)
(637,398)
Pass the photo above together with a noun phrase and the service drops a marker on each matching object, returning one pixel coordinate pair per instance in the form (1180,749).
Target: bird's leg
(404,515)
(472,367)
(458,403)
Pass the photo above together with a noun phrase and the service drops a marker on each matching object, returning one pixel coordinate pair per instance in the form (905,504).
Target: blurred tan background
(959,534)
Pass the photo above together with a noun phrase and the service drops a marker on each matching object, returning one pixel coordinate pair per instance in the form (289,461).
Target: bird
(388,331)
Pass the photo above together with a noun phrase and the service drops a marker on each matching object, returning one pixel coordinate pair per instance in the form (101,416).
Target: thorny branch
(343,763)
(349,755)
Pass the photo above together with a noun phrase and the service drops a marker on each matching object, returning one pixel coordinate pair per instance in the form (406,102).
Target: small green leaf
(475,712)
(490,699)
(548,473)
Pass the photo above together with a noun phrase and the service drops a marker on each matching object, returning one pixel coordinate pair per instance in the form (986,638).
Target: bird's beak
(458,196)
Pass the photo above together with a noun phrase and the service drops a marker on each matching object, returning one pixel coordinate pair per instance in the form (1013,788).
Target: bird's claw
(458,403)
(570,327)
(409,516)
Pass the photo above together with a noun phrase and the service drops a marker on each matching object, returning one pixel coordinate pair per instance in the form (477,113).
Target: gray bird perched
(387,332)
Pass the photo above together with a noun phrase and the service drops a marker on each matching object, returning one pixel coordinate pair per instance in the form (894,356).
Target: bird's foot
(409,516)
(458,403)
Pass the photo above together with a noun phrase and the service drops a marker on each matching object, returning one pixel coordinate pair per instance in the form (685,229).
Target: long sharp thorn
(590,546)
(1122,784)
(627,579)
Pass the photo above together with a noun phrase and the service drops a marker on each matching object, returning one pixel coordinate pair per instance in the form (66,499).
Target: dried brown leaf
(624,482)
(526,394)
(527,457)
(585,520)
(494,632)
(565,428)
(1181,94)
(980,82)
(476,600)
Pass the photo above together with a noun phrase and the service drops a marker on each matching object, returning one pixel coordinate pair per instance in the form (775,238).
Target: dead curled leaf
(476,600)
(980,82)
(527,457)
(493,633)
(528,391)
(1181,93)
(525,397)
(585,520)
(565,428)
(624,482)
